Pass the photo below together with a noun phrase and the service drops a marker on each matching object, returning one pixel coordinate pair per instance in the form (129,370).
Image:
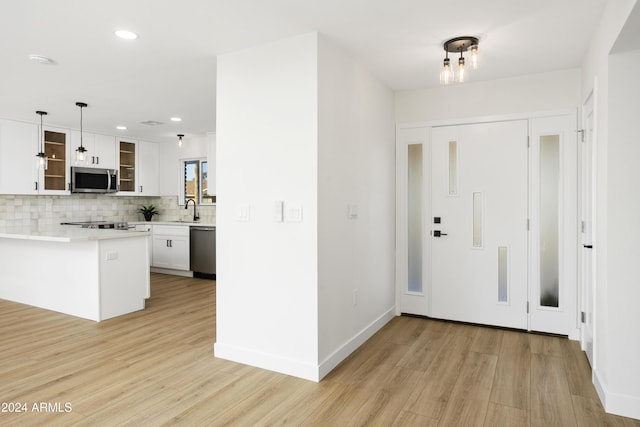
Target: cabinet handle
(97,160)
(141,188)
(36,183)
(93,160)
(167,244)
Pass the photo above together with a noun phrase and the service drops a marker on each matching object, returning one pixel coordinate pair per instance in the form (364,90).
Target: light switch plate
(278,211)
(353,211)
(294,213)
(243,213)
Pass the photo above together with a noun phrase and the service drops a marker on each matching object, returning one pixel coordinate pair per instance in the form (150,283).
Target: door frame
(406,133)
(583,302)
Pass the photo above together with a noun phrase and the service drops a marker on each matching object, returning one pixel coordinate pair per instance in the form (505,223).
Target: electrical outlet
(112,256)
(355,297)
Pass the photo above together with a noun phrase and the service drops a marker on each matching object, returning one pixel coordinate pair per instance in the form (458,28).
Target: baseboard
(352,344)
(270,362)
(615,403)
(297,368)
(171,271)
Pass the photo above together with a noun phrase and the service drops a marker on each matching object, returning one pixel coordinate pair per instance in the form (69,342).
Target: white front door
(479,205)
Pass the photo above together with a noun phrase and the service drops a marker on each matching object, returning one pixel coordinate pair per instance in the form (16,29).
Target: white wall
(170,155)
(355,167)
(531,93)
(267,304)
(616,340)
(623,231)
(312,129)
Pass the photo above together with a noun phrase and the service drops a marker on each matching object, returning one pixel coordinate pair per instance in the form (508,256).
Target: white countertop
(187,223)
(66,233)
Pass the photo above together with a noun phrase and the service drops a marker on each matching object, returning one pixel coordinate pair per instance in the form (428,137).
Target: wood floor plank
(551,403)
(589,413)
(487,341)
(470,396)
(500,415)
(512,382)
(578,370)
(434,390)
(424,350)
(409,419)
(546,345)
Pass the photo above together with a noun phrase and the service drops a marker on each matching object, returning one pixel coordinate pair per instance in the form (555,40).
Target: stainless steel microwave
(93,180)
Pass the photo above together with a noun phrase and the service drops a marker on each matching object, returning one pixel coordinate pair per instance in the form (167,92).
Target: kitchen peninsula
(94,274)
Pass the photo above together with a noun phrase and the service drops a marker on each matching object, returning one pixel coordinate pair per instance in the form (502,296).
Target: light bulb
(474,56)
(42,162)
(461,69)
(81,155)
(446,74)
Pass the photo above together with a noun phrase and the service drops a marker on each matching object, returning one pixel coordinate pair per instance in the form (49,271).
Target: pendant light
(41,158)
(81,152)
(180,136)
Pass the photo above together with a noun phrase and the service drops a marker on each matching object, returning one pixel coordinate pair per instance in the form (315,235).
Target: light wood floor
(156,367)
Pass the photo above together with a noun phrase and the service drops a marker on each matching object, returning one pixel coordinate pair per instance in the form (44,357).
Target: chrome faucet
(186,204)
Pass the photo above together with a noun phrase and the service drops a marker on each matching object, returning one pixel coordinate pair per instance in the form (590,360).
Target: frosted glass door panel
(414,219)
(549,203)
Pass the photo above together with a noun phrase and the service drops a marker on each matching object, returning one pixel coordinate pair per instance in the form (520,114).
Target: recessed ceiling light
(41,59)
(126,34)
(176,119)
(121,127)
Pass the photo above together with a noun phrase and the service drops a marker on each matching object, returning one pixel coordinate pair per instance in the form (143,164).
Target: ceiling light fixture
(121,127)
(176,119)
(458,45)
(81,152)
(126,34)
(180,136)
(41,158)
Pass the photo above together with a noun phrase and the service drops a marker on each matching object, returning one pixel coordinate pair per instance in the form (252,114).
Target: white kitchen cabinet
(18,149)
(19,144)
(170,247)
(101,149)
(148,170)
(138,168)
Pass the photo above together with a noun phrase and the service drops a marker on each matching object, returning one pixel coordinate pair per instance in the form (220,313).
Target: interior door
(479,200)
(587,209)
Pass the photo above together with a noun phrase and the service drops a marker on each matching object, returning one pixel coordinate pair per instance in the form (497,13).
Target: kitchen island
(94,274)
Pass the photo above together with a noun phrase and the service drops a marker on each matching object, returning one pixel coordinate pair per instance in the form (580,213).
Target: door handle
(438,233)
(587,246)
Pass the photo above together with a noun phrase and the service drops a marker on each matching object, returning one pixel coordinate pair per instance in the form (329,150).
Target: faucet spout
(186,205)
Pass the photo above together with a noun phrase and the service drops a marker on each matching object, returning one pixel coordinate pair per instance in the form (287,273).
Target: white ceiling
(170,70)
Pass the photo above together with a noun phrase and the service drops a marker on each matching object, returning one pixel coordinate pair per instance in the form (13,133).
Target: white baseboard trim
(298,368)
(616,403)
(356,341)
(171,271)
(270,362)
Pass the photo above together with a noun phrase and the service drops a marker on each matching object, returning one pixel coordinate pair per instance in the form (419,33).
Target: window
(195,181)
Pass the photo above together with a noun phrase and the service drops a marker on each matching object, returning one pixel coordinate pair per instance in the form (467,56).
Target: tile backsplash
(45,211)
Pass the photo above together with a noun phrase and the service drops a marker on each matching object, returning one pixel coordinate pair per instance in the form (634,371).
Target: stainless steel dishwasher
(203,251)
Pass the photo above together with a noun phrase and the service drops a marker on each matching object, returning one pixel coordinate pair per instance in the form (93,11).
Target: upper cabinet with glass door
(138,168)
(56,147)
